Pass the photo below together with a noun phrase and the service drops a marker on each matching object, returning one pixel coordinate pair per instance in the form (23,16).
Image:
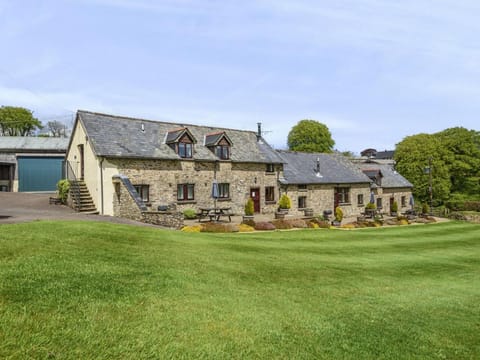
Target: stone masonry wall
(125,206)
(321,197)
(164,176)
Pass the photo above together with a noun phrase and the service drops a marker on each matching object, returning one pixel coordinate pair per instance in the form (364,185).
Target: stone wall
(322,197)
(125,206)
(396,194)
(164,176)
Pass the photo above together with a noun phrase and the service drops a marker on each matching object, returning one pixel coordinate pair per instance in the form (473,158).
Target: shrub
(249,223)
(457,216)
(298,223)
(63,187)
(245,228)
(284,202)
(425,208)
(313,225)
(338,214)
(219,228)
(189,214)
(394,207)
(263,225)
(192,229)
(282,224)
(348,226)
(370,206)
(249,208)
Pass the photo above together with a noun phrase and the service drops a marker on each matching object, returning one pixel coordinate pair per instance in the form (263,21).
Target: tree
(310,136)
(463,160)
(17,121)
(413,155)
(56,128)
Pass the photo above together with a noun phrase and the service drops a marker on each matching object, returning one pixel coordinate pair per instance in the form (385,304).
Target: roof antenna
(143,127)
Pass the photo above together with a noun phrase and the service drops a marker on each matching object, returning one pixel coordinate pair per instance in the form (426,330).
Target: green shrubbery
(284,202)
(63,187)
(189,214)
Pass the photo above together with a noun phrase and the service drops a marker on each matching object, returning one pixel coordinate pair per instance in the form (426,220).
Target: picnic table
(215,214)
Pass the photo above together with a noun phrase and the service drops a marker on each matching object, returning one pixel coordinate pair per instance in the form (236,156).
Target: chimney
(259,130)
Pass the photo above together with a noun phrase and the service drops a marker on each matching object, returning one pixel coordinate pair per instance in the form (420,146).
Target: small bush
(338,214)
(298,223)
(189,214)
(394,207)
(263,225)
(284,202)
(370,206)
(457,216)
(219,228)
(245,228)
(63,187)
(313,225)
(249,223)
(192,229)
(249,207)
(403,222)
(425,208)
(282,224)
(348,226)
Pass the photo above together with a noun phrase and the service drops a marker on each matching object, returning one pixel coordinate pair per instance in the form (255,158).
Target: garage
(30,164)
(39,173)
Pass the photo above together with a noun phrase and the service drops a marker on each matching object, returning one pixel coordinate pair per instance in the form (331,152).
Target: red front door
(255,195)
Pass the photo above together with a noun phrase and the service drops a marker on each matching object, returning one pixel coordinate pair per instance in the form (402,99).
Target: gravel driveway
(24,207)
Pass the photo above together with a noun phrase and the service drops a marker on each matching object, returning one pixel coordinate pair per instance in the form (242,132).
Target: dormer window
(220,144)
(182,141)
(222,152)
(185,149)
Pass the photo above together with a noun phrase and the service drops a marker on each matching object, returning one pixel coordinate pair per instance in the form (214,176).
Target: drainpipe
(101,184)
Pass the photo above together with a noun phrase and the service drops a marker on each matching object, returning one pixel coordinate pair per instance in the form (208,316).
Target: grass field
(73,290)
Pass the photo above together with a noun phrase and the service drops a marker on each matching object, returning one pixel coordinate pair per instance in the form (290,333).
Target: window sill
(224,199)
(345,204)
(271,202)
(183,202)
(269,173)
(302,190)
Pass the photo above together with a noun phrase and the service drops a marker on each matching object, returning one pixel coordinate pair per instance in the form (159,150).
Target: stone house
(321,182)
(144,169)
(387,186)
(170,166)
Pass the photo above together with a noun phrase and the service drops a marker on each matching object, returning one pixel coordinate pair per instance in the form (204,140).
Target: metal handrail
(71,176)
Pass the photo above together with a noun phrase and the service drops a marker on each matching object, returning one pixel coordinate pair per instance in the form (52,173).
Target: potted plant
(338,216)
(394,209)
(284,203)
(249,210)
(370,209)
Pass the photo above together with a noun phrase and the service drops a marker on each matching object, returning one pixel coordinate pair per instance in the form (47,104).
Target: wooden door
(255,195)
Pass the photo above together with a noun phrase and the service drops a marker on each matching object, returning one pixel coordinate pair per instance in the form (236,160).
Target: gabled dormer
(181,141)
(219,143)
(375,175)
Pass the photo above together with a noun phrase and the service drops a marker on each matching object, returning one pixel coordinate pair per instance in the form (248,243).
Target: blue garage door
(39,173)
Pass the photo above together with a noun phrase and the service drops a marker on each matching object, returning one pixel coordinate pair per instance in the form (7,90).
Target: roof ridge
(162,121)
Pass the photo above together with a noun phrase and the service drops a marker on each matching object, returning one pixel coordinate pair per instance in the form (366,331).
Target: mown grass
(81,290)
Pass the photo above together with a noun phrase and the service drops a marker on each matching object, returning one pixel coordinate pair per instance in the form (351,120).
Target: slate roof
(390,179)
(122,137)
(300,168)
(33,144)
(387,154)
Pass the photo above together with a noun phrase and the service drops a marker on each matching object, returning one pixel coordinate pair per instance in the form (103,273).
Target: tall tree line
(452,156)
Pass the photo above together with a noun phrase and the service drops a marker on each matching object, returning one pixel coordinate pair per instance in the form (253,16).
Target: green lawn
(88,290)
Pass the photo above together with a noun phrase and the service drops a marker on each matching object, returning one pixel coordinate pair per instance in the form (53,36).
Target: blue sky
(373,71)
